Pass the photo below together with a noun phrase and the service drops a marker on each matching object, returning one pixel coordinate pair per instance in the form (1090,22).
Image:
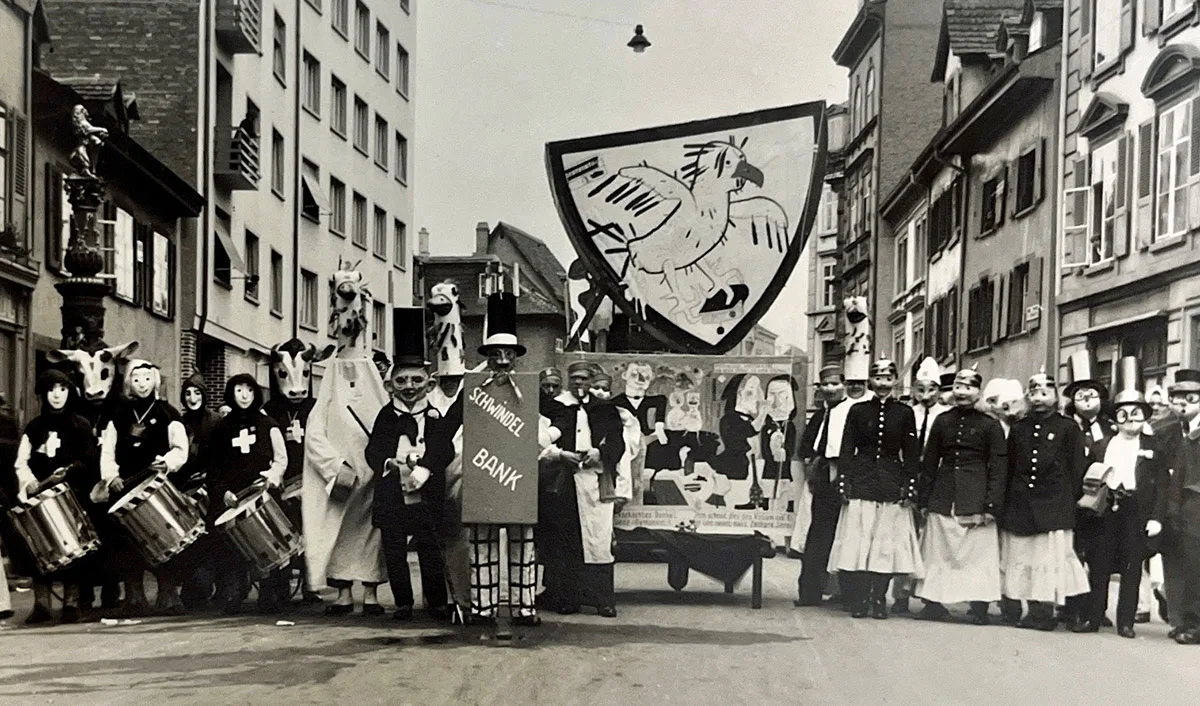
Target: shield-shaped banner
(693,229)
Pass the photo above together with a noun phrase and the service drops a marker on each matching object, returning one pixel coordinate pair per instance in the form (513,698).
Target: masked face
(965,396)
(990,405)
(409,385)
(855,389)
(1087,403)
(57,396)
(382,367)
(141,381)
(601,388)
(780,400)
(1012,409)
(193,398)
(833,390)
(580,383)
(501,360)
(883,384)
(551,387)
(925,392)
(637,379)
(749,396)
(1130,420)
(1042,399)
(1186,405)
(243,395)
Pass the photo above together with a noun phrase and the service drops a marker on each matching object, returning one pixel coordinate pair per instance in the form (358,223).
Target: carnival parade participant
(57,446)
(962,487)
(550,382)
(145,436)
(826,503)
(651,413)
(410,446)
(501,347)
(199,421)
(946,389)
(590,444)
(245,450)
(876,537)
(1135,506)
(1181,545)
(341,544)
(1045,478)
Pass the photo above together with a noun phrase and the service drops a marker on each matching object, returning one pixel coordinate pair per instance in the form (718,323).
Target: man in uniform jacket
(1046,466)
(876,537)
(1181,545)
(962,487)
(826,504)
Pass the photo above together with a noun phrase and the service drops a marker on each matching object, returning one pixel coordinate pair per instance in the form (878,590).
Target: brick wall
(213,369)
(151,45)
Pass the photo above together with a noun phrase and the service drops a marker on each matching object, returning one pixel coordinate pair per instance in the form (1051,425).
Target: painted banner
(693,229)
(711,439)
(500,449)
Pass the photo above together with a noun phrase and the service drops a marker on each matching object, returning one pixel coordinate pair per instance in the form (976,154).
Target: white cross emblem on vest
(295,432)
(244,441)
(51,446)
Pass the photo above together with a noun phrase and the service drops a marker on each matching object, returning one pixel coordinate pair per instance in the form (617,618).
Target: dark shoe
(1175,632)
(528,621)
(799,603)
(338,609)
(41,614)
(933,612)
(484,620)
(980,619)
(793,554)
(1043,624)
(374,610)
(1126,631)
(70,614)
(311,598)
(439,614)
(1082,626)
(1105,622)
(403,613)
(231,607)
(607,611)
(134,609)
(900,607)
(1189,637)
(1142,618)
(879,610)
(860,611)
(567,609)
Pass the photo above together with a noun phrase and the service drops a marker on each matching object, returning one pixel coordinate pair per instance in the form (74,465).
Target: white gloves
(273,478)
(415,479)
(1153,528)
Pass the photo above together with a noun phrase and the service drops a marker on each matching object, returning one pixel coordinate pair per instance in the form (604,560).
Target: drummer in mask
(145,436)
(246,449)
(57,446)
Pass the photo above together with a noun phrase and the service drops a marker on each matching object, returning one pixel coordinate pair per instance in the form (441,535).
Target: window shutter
(139,264)
(1193,191)
(1144,221)
(1039,171)
(1076,217)
(54,223)
(1003,287)
(1033,295)
(147,255)
(172,276)
(1127,28)
(1151,13)
(1085,39)
(20,152)
(1121,198)
(997,307)
(1001,194)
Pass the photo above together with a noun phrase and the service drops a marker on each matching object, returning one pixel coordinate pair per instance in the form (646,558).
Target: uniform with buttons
(1046,465)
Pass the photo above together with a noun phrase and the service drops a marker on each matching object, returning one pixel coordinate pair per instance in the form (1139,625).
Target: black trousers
(1118,545)
(1181,554)
(396,544)
(826,506)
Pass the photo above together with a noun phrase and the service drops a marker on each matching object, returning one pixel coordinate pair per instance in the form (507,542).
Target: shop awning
(315,201)
(1159,314)
(235,258)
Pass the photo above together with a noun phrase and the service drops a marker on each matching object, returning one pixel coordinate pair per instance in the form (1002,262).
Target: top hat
(1081,373)
(947,381)
(928,371)
(500,326)
(968,376)
(1127,381)
(408,336)
(1186,380)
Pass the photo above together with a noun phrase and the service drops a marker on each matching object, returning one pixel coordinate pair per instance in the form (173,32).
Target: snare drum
(160,520)
(261,532)
(55,527)
(291,489)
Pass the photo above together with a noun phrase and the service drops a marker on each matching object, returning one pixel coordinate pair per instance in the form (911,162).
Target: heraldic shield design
(693,229)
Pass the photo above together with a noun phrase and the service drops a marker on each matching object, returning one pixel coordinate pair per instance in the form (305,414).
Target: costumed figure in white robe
(341,544)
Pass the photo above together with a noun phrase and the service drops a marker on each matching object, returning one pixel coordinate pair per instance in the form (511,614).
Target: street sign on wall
(500,449)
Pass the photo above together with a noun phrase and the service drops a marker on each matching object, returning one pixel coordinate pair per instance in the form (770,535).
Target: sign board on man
(500,449)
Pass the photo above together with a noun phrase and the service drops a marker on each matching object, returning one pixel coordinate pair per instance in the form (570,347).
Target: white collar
(420,407)
(568,399)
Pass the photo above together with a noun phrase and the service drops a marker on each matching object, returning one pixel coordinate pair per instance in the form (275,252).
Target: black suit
(826,505)
(1181,544)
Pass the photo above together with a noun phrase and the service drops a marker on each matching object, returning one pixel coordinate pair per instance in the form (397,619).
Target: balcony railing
(235,159)
(239,25)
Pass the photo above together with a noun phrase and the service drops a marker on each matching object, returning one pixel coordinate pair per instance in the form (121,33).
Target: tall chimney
(481,237)
(423,241)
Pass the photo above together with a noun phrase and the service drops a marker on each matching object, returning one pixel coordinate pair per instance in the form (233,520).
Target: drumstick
(360,422)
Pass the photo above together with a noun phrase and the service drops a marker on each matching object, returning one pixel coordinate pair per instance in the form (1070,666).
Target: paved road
(698,647)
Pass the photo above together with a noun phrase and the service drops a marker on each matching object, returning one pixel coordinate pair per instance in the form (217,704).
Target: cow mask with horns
(97,367)
(291,369)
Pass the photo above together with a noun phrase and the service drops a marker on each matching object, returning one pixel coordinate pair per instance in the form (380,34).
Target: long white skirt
(1041,567)
(961,563)
(876,537)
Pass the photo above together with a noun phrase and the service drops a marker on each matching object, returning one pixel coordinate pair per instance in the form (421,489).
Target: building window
(162,276)
(1104,171)
(1030,170)
(920,247)
(1018,298)
(828,284)
(402,70)
(279,50)
(309,303)
(251,267)
(400,245)
(278,163)
(337,106)
(945,217)
(1107,37)
(358,224)
(312,84)
(869,95)
(856,110)
(362,30)
(341,17)
(401,158)
(337,207)
(123,254)
(1174,150)
(381,142)
(4,151)
(902,268)
(899,349)
(1173,9)
(383,51)
(379,326)
(379,244)
(827,220)
(992,204)
(981,301)
(1146,340)
(918,338)
(276,282)
(362,126)
(222,265)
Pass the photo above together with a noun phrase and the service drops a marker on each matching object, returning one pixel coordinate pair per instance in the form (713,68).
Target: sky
(497,79)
